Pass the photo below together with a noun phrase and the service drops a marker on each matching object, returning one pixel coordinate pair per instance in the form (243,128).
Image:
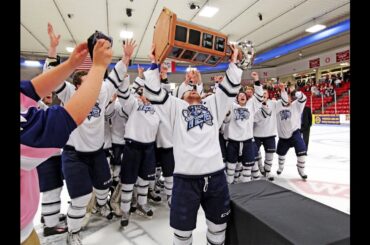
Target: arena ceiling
(282,21)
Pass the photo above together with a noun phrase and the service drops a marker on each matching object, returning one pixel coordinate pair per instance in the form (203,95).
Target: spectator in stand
(315,91)
(337,82)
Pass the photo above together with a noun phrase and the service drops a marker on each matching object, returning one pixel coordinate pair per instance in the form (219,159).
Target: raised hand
(140,71)
(102,53)
(164,71)
(235,52)
(282,86)
(128,48)
(78,55)
(54,40)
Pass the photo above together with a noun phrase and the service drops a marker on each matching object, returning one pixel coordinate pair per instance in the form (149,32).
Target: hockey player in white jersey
(192,77)
(138,165)
(83,159)
(199,177)
(264,132)
(241,131)
(288,116)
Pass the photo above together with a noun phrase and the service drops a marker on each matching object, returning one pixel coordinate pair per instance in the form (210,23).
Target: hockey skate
(125,219)
(301,172)
(56,230)
(74,238)
(105,211)
(144,210)
(280,169)
(159,185)
(154,197)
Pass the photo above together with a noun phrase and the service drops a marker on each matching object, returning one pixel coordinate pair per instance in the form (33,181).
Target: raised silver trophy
(247,52)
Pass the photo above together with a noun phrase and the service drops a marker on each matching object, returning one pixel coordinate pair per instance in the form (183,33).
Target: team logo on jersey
(197,115)
(146,108)
(241,114)
(285,114)
(95,112)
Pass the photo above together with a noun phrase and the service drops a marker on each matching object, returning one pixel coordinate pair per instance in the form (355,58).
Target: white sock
(182,237)
(50,206)
(126,197)
(230,171)
(76,212)
(215,233)
(142,191)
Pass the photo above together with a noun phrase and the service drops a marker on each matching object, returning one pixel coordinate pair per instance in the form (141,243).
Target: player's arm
(125,98)
(228,88)
(283,94)
(114,81)
(153,90)
(258,90)
(300,101)
(85,97)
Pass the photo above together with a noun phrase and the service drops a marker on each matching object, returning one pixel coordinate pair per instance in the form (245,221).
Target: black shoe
(62,217)
(132,209)
(271,178)
(278,172)
(49,231)
(153,197)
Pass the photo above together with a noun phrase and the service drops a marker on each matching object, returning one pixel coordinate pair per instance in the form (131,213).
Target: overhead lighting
(70,49)
(344,64)
(233,42)
(208,11)
(126,34)
(32,63)
(315,28)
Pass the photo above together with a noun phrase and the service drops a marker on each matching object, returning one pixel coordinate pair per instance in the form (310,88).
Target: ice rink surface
(327,167)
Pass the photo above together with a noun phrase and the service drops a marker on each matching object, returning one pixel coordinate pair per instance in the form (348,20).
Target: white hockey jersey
(289,117)
(265,125)
(108,125)
(89,136)
(143,120)
(195,128)
(242,117)
(118,120)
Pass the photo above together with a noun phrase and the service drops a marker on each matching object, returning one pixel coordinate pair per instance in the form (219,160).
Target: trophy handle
(246,54)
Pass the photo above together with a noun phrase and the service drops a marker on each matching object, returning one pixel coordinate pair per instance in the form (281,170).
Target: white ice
(327,167)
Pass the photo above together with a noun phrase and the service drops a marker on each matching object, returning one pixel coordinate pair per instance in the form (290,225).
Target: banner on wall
(327,119)
(314,63)
(342,56)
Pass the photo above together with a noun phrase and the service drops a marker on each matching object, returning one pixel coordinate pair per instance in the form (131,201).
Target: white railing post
(322,104)
(335,101)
